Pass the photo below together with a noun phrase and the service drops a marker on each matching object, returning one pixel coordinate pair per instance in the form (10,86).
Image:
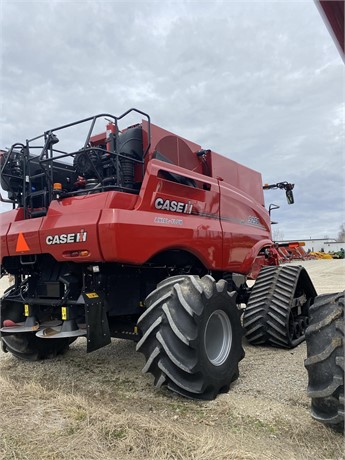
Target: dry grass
(40,423)
(93,407)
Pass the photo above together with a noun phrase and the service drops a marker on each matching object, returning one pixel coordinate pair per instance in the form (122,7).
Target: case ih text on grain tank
(141,234)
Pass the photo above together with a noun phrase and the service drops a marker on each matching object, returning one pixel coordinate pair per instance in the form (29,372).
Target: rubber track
(267,314)
(170,340)
(325,361)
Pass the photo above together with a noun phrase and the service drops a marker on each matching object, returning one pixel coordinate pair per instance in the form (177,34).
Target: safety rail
(34,175)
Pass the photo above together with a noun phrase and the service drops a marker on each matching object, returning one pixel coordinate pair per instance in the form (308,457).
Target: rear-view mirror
(289,197)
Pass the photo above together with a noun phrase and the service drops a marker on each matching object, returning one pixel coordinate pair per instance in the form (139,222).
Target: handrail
(117,177)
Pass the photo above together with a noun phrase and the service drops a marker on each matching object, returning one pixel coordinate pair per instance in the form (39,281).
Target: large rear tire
(277,309)
(325,359)
(192,336)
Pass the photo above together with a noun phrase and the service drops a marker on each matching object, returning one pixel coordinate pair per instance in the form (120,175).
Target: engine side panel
(167,216)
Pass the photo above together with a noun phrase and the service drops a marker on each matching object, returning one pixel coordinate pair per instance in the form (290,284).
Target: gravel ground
(327,275)
(281,373)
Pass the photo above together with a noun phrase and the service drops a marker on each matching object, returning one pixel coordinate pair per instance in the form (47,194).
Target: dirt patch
(100,406)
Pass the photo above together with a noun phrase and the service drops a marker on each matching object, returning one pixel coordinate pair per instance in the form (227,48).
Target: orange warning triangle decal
(22,245)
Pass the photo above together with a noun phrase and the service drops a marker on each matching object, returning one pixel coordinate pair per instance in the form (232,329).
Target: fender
(253,253)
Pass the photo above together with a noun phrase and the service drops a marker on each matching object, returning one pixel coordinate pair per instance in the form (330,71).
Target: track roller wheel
(277,309)
(26,345)
(192,336)
(325,359)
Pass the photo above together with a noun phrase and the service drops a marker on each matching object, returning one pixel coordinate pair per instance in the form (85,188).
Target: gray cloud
(260,82)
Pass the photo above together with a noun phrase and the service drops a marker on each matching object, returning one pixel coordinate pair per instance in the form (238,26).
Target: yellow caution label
(92,295)
(63,313)
(26,309)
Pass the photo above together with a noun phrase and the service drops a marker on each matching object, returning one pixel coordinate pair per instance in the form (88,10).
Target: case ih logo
(67,238)
(174,206)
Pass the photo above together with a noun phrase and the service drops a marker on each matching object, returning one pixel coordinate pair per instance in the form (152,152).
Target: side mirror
(289,197)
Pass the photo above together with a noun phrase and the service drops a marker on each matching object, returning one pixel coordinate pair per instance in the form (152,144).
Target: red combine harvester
(141,234)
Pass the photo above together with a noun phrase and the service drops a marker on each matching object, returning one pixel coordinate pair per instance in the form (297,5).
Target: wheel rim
(218,337)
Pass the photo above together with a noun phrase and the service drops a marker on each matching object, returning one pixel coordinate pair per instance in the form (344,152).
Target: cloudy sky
(258,81)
